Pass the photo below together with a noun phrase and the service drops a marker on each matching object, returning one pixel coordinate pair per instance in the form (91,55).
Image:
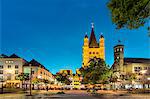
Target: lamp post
(30,80)
(2,85)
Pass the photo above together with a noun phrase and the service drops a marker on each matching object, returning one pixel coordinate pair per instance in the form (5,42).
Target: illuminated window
(117,49)
(120,49)
(10,62)
(7,62)
(118,57)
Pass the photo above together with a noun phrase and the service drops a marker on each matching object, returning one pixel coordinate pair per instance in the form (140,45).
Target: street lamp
(30,80)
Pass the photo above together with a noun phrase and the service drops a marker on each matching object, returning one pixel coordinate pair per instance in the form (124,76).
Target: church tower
(91,48)
(118,57)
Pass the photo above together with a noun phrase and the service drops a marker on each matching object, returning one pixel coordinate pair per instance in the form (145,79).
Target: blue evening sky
(52,31)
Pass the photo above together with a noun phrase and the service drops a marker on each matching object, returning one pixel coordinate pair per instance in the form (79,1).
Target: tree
(129,13)
(23,77)
(114,78)
(63,78)
(96,72)
(130,77)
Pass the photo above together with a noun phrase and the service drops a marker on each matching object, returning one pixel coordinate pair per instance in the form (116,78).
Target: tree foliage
(97,72)
(62,77)
(36,81)
(23,77)
(129,13)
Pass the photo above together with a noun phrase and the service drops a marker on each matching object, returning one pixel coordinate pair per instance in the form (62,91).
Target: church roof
(137,60)
(93,42)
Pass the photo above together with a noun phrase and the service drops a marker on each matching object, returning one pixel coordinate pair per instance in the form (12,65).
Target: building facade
(10,67)
(13,65)
(38,70)
(140,67)
(92,48)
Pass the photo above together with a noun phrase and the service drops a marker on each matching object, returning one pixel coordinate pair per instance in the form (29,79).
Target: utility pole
(30,80)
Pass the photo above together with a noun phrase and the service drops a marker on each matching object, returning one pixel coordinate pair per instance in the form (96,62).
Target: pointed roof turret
(101,35)
(86,36)
(93,42)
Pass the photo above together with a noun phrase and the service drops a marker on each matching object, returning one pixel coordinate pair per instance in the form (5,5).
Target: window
(6,61)
(9,66)
(89,52)
(1,71)
(9,62)
(8,76)
(145,68)
(97,53)
(117,49)
(1,66)
(16,71)
(16,66)
(121,49)
(137,69)
(118,57)
(93,52)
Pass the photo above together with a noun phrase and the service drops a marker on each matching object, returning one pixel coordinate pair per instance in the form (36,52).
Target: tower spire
(92,25)
(101,35)
(93,42)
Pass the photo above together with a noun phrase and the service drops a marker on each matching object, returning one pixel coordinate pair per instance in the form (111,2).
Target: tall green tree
(96,72)
(130,14)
